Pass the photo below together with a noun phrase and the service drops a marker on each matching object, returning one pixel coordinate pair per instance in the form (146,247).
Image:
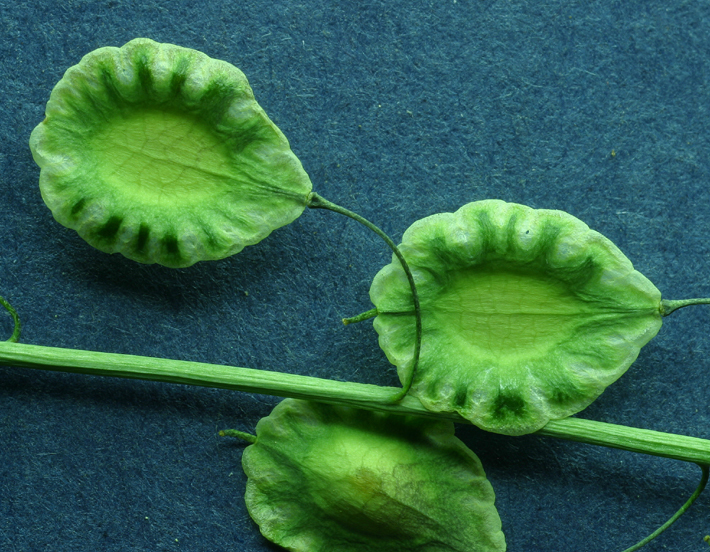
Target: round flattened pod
(161,153)
(335,479)
(527,315)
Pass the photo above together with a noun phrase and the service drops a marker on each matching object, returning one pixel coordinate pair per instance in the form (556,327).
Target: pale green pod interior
(527,314)
(334,479)
(162,154)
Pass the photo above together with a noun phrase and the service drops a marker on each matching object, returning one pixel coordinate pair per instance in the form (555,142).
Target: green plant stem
(667,445)
(315,201)
(680,512)
(668,306)
(359,395)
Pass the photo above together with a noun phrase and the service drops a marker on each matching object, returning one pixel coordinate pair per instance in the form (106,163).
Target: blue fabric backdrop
(397,110)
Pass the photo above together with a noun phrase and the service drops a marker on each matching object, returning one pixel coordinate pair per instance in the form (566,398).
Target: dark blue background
(397,110)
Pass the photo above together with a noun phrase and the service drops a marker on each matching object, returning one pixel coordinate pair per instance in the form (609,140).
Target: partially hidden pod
(328,478)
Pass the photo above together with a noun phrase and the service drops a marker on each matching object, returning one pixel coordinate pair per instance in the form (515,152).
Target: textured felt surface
(397,110)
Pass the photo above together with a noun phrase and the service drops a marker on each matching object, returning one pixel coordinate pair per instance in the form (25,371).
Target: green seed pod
(527,315)
(334,479)
(162,154)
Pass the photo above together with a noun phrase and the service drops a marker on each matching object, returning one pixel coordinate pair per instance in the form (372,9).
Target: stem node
(317,202)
